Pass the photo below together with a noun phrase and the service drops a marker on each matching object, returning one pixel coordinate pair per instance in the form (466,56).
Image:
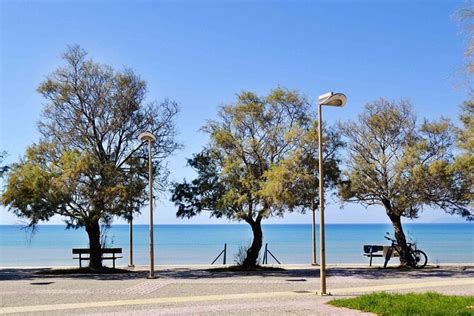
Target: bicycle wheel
(420,259)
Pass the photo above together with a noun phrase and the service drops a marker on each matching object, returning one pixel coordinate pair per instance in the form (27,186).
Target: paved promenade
(198,291)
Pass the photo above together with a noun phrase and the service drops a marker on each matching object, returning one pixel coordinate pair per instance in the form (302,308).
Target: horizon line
(275,224)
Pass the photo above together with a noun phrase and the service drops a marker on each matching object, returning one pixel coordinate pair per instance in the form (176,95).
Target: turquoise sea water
(194,244)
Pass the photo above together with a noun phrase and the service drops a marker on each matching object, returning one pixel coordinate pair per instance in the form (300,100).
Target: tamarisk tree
(3,168)
(404,166)
(89,166)
(259,163)
(465,158)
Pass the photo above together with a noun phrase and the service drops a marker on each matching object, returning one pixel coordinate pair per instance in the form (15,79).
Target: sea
(50,245)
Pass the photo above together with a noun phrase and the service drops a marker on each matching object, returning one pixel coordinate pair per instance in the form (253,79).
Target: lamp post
(150,138)
(130,231)
(331,99)
(130,242)
(313,232)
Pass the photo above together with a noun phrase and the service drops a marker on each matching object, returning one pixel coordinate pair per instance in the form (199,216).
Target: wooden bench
(372,251)
(380,251)
(87,251)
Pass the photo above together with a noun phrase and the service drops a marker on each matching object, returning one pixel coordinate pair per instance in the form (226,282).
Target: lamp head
(332,99)
(146,136)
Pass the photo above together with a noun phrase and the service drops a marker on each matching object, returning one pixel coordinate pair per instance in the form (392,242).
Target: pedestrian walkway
(198,290)
(241,296)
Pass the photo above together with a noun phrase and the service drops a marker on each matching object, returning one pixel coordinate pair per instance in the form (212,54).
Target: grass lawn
(389,304)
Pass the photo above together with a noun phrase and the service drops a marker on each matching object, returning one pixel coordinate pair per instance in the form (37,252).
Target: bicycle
(416,258)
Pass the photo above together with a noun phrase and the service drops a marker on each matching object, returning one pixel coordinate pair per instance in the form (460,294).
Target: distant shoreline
(198,243)
(271,224)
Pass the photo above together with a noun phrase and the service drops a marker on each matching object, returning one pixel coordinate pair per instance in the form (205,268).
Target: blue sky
(201,53)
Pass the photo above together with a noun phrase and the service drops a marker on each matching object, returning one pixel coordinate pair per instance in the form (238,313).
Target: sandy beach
(197,290)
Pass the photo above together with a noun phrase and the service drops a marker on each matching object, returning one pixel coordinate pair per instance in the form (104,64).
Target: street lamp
(130,236)
(313,233)
(150,138)
(130,223)
(331,99)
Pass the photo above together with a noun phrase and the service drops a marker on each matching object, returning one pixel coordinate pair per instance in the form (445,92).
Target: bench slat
(112,250)
(80,250)
(111,258)
(103,258)
(374,248)
(76,251)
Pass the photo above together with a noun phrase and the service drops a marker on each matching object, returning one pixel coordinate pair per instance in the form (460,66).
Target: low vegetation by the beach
(238,268)
(389,304)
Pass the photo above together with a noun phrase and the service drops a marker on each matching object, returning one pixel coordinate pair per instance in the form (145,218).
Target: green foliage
(241,255)
(3,169)
(294,183)
(404,166)
(400,165)
(429,304)
(465,16)
(260,161)
(464,162)
(466,134)
(50,182)
(89,165)
(203,193)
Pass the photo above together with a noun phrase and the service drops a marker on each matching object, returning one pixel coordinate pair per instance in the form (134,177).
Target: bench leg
(113,264)
(80,261)
(387,257)
(370,262)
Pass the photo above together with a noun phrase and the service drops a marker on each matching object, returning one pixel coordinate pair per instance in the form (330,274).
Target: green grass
(388,304)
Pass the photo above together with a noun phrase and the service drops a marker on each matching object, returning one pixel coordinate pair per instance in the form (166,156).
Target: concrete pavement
(196,290)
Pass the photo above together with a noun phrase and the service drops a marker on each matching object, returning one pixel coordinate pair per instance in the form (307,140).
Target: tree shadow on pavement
(13,274)
(289,274)
(391,273)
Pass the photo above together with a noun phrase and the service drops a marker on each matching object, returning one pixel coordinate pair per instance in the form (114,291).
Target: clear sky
(201,53)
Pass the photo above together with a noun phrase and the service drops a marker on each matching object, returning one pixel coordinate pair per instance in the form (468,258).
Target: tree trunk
(252,253)
(400,238)
(93,231)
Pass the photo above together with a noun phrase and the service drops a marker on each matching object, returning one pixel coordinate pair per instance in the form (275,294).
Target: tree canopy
(259,163)
(404,166)
(465,15)
(466,132)
(465,158)
(3,168)
(89,165)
